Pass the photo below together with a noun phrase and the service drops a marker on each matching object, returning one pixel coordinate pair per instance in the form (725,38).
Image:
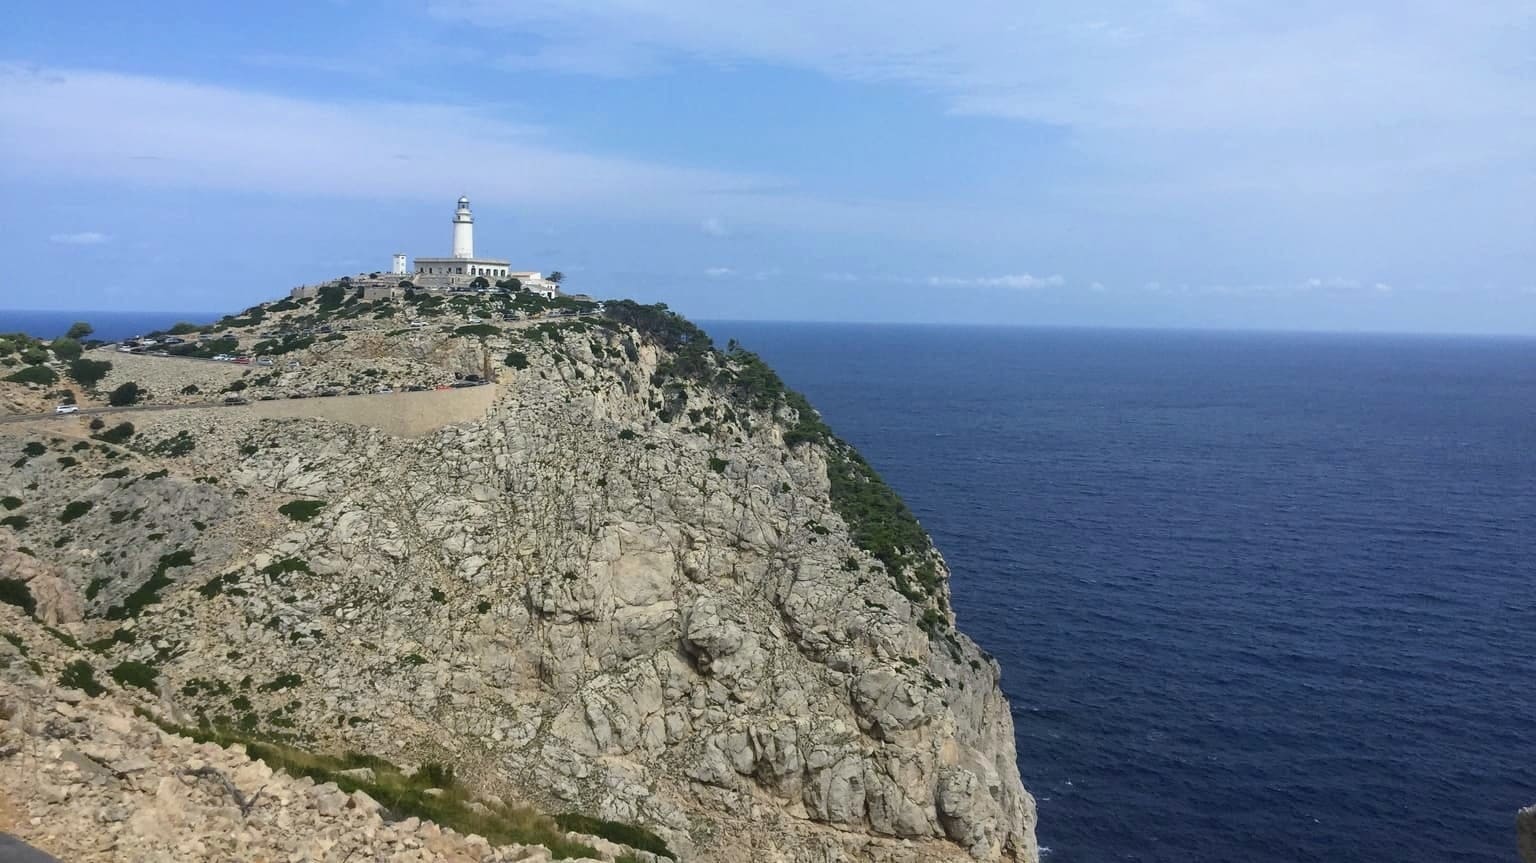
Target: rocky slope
(646,585)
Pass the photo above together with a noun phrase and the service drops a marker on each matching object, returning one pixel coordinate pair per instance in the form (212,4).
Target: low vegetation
(117,434)
(431,792)
(129,393)
(302,510)
(41,375)
(131,673)
(14,591)
(80,675)
(148,593)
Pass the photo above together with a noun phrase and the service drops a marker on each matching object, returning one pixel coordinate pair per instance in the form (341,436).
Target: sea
(1263,597)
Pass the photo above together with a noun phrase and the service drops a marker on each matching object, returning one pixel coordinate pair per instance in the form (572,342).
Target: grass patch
(614,831)
(406,796)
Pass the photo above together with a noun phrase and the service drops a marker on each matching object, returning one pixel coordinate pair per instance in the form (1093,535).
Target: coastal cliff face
(640,581)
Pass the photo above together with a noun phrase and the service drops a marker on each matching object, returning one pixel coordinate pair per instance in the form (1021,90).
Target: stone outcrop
(87,780)
(1525,833)
(618,590)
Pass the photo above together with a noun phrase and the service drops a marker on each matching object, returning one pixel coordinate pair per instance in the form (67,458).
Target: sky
(1368,165)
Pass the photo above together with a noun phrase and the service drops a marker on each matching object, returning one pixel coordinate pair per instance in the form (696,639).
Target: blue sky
(1311,165)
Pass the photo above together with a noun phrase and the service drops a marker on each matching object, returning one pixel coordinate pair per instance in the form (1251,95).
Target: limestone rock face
(615,593)
(1525,832)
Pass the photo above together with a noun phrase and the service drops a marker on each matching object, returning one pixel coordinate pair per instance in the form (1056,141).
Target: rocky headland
(619,594)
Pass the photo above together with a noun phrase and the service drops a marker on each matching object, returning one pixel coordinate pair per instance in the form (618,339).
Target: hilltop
(575,554)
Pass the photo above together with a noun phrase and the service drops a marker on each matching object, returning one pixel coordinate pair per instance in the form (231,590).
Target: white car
(383,390)
(67,409)
(222,358)
(125,349)
(476,321)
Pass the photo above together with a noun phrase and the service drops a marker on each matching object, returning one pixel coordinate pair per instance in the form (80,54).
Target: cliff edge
(631,577)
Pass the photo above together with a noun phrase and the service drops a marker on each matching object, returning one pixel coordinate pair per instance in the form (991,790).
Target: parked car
(476,321)
(174,341)
(263,361)
(416,325)
(242,361)
(236,400)
(125,349)
(462,384)
(415,388)
(223,358)
(67,409)
(159,353)
(293,364)
(383,390)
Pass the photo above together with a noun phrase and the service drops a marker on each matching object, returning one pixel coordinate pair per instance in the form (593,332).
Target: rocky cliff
(641,581)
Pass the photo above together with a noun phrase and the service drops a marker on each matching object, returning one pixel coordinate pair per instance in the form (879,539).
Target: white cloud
(714,227)
(81,238)
(1020,281)
(181,134)
(719,272)
(1239,94)
(839,277)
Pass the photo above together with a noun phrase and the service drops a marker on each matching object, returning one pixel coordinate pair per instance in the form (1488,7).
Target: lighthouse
(463,231)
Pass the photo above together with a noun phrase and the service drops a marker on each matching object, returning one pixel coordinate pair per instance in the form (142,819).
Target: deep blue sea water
(1257,597)
(109,326)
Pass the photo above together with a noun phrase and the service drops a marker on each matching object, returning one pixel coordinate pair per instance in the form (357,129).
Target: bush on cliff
(302,510)
(450,805)
(34,375)
(14,591)
(125,395)
(88,373)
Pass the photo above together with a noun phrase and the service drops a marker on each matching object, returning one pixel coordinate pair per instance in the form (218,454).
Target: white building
(457,272)
(460,270)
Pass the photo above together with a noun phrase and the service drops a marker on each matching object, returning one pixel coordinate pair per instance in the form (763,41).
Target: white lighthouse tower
(463,231)
(399,265)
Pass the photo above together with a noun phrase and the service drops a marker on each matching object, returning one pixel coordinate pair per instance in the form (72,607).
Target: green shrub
(10,502)
(35,375)
(74,509)
(517,360)
(175,446)
(302,510)
(131,673)
(80,675)
(66,348)
(477,330)
(116,434)
(14,591)
(34,448)
(281,682)
(627,434)
(718,465)
(128,394)
(17,522)
(88,373)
